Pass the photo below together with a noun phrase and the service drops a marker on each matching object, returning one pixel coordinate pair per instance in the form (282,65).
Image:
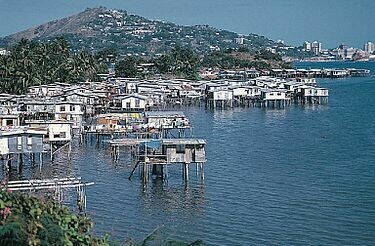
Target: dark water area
(299,175)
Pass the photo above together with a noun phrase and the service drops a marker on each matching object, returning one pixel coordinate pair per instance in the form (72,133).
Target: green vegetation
(267,55)
(182,62)
(242,58)
(99,28)
(33,63)
(127,67)
(28,220)
(298,53)
(107,55)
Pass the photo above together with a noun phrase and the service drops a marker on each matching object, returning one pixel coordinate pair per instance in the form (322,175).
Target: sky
(331,22)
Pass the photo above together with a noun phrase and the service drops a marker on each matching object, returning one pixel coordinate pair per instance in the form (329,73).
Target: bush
(26,220)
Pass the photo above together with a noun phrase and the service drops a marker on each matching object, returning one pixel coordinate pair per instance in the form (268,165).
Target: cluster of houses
(48,116)
(132,97)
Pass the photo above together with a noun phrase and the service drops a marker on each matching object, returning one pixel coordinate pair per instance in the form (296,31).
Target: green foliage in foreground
(28,220)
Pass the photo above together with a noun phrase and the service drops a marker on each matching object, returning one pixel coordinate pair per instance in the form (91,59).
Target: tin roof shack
(310,94)
(115,122)
(57,131)
(170,123)
(146,87)
(39,110)
(240,91)
(220,97)
(292,88)
(70,111)
(9,120)
(173,151)
(184,150)
(167,119)
(254,92)
(161,153)
(85,97)
(131,86)
(16,142)
(134,103)
(8,104)
(239,74)
(274,98)
(39,91)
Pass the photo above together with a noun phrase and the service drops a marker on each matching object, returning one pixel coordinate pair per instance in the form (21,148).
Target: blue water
(300,175)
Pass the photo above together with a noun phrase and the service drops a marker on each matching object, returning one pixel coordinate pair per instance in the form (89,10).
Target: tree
(180,61)
(127,67)
(107,55)
(33,63)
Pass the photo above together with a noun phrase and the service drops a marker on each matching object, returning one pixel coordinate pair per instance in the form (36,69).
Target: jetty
(54,186)
(153,156)
(320,73)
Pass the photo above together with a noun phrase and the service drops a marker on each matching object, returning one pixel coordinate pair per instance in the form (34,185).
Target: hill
(98,28)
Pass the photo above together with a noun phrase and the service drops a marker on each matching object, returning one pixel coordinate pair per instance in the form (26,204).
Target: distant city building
(343,46)
(359,55)
(239,40)
(369,47)
(3,52)
(348,53)
(272,50)
(343,52)
(316,47)
(307,46)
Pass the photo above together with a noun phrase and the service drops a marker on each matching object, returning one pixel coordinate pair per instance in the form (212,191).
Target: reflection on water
(275,113)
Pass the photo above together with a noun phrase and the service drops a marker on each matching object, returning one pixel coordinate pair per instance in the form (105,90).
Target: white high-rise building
(316,47)
(307,46)
(369,47)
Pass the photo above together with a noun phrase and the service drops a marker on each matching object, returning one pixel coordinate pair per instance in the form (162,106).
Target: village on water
(141,118)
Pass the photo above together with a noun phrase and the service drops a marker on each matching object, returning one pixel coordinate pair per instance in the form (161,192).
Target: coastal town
(131,112)
(144,123)
(315,52)
(49,117)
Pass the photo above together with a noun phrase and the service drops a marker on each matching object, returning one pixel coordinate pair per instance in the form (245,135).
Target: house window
(72,108)
(180,149)
(62,134)
(128,105)
(62,108)
(19,143)
(137,103)
(29,140)
(9,122)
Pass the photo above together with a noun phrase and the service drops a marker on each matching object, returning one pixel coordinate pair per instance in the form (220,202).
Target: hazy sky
(329,21)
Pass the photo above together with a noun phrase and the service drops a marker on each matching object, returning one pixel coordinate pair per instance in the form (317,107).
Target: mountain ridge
(99,28)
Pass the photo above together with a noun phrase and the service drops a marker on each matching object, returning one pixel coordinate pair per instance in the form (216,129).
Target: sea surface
(299,175)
